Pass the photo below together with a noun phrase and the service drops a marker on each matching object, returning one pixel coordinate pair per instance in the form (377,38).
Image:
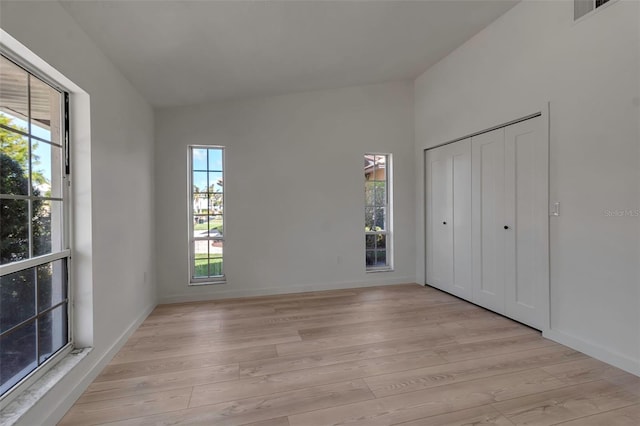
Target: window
(583,7)
(377,212)
(206,214)
(34,246)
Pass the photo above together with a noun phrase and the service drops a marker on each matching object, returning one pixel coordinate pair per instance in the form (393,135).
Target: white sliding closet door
(487,221)
(448,219)
(489,251)
(526,241)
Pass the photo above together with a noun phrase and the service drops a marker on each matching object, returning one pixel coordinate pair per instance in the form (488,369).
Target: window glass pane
(199,159)
(207,212)
(216,203)
(199,182)
(52,332)
(381,258)
(17,298)
(14,232)
(14,163)
(377,205)
(19,357)
(380,219)
(13,95)
(215,182)
(215,160)
(200,223)
(46,175)
(369,193)
(201,258)
(370,241)
(200,204)
(381,193)
(52,288)
(215,258)
(45,111)
(370,258)
(368,218)
(31,167)
(46,226)
(215,222)
(380,169)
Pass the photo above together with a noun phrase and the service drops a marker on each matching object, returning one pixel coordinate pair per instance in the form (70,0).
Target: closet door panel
(488,156)
(526,252)
(461,209)
(439,229)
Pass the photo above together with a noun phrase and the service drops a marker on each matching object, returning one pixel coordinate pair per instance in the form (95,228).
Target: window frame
(388,206)
(212,279)
(66,249)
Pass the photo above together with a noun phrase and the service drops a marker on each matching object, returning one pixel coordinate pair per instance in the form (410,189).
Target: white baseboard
(223,291)
(596,351)
(52,411)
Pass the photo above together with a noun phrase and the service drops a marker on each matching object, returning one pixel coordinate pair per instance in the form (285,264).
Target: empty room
(310,213)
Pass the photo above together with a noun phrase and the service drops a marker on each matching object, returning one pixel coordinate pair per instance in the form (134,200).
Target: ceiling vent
(582,7)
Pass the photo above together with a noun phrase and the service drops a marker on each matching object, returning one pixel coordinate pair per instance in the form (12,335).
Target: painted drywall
(589,72)
(294,189)
(119,252)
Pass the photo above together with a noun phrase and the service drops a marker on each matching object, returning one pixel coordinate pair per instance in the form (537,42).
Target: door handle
(506,227)
(444,223)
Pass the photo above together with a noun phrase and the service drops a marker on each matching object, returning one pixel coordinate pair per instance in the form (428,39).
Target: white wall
(590,73)
(119,250)
(294,189)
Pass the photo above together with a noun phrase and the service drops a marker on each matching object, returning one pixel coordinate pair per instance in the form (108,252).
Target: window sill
(376,270)
(213,282)
(12,413)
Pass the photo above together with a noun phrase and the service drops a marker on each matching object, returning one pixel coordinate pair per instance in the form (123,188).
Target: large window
(206,214)
(377,212)
(34,247)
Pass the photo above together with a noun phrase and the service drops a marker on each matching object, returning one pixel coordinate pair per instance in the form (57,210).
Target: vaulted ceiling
(185,52)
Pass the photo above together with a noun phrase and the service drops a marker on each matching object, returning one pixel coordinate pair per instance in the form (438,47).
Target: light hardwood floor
(401,354)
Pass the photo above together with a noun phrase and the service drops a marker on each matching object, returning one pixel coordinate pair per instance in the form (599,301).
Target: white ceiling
(185,52)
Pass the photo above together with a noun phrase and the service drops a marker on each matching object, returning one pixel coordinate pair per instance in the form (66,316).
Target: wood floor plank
(299,379)
(430,402)
(411,380)
(437,336)
(483,415)
(99,391)
(565,404)
(419,318)
(158,352)
(311,320)
(400,354)
(471,332)
(297,361)
(126,370)
(582,371)
(627,416)
(266,407)
(492,347)
(627,381)
(212,337)
(280,421)
(93,413)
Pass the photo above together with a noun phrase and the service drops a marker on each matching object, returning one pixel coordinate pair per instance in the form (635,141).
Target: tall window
(206,214)
(34,248)
(377,212)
